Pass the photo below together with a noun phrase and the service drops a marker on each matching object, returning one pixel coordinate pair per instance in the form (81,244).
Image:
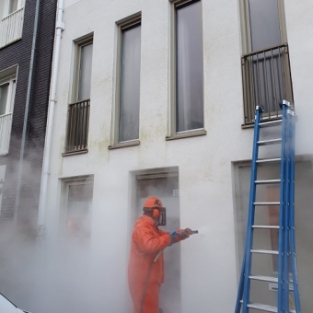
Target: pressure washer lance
(177,234)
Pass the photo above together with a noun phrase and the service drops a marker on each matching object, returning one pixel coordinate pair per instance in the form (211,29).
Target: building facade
(158,98)
(20,134)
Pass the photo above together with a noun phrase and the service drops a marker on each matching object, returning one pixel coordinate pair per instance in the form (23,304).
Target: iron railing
(11,27)
(266,82)
(77,126)
(5,132)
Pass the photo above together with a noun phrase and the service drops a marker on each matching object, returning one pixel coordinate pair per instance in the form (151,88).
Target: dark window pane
(189,79)
(3,98)
(264,24)
(13,6)
(130,84)
(78,209)
(85,72)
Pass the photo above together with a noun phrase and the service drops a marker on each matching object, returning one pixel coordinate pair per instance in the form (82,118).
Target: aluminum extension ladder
(286,251)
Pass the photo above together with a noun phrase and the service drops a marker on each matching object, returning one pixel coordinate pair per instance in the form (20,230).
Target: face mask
(162,217)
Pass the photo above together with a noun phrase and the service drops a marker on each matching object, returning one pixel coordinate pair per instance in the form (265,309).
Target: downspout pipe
(26,114)
(49,128)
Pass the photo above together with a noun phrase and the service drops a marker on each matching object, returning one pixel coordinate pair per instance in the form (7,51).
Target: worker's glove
(174,234)
(185,233)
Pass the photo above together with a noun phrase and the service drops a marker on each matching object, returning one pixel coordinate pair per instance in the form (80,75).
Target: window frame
(247,52)
(6,8)
(121,25)
(172,127)
(11,94)
(74,89)
(65,184)
(78,45)
(9,75)
(245,25)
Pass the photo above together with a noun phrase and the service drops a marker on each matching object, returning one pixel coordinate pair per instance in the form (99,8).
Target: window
(11,21)
(8,7)
(84,76)
(126,130)
(7,95)
(265,65)
(2,179)
(77,195)
(130,83)
(13,5)
(263,23)
(78,209)
(188,113)
(78,111)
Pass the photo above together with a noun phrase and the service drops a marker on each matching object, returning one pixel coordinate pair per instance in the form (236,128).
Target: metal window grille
(77,126)
(266,81)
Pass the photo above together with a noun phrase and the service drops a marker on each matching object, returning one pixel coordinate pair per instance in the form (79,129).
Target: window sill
(187,134)
(65,154)
(125,144)
(251,124)
(246,126)
(10,43)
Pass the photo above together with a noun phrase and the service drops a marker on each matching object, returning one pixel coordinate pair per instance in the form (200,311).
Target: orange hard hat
(153,207)
(152,203)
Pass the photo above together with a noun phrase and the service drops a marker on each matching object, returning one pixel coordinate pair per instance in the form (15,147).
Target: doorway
(267,265)
(165,185)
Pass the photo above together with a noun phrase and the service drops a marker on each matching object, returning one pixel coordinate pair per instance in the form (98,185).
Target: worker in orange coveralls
(146,264)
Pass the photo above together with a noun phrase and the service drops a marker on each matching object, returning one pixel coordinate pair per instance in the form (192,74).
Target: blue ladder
(286,244)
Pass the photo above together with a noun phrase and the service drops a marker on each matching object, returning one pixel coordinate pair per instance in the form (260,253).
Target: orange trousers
(151,301)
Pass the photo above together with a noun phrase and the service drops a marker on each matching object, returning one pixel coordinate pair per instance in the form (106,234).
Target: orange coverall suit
(147,241)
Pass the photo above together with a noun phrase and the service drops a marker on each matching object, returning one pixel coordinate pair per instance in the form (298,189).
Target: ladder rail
(286,213)
(292,220)
(240,289)
(280,293)
(249,234)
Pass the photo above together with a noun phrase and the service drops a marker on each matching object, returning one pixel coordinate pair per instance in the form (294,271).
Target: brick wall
(19,53)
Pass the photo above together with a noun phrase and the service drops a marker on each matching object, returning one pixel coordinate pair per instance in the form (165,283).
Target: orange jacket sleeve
(147,242)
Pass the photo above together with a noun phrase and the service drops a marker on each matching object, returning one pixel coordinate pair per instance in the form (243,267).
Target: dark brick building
(16,44)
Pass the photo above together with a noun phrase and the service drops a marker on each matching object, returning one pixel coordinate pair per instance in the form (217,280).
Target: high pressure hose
(147,280)
(184,233)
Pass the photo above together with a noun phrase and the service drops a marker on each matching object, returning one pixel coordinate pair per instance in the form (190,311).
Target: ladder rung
(266,226)
(264,278)
(263,307)
(265,251)
(268,160)
(269,141)
(271,123)
(268,181)
(266,203)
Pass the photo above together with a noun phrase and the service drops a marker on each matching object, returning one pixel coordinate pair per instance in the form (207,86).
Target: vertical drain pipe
(46,157)
(26,114)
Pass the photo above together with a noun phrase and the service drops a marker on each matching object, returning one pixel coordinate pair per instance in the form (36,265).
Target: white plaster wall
(209,278)
(300,39)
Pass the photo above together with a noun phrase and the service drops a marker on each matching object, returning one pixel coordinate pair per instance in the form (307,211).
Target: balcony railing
(266,81)
(77,126)
(11,27)
(5,132)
